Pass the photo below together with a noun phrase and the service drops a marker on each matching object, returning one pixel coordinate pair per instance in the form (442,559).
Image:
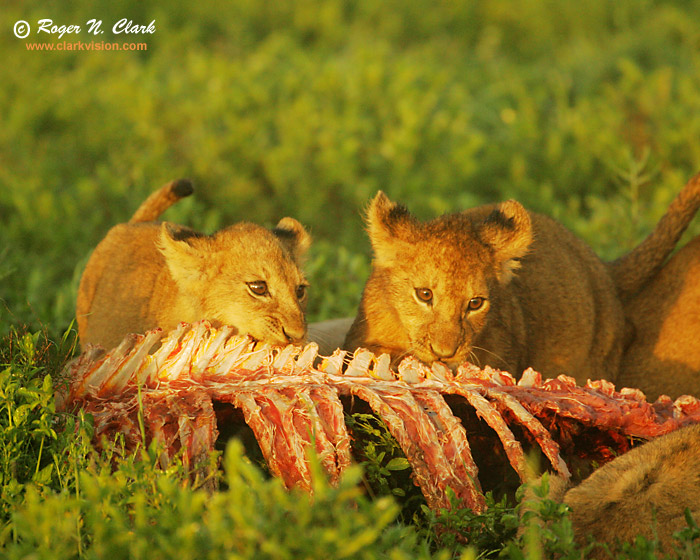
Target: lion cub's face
(244,275)
(433,285)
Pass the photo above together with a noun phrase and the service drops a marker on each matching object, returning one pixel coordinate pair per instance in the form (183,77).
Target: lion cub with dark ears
(146,274)
(495,285)
(501,286)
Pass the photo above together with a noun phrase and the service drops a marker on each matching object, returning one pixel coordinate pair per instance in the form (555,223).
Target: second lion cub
(146,274)
(496,285)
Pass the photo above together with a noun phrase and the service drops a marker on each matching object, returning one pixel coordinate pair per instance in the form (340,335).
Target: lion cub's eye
(475,303)
(301,292)
(259,288)
(424,294)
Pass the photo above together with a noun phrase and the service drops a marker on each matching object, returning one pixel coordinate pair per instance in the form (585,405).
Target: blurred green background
(587,111)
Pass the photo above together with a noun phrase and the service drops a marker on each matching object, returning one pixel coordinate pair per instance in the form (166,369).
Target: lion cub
(664,356)
(146,274)
(496,285)
(643,492)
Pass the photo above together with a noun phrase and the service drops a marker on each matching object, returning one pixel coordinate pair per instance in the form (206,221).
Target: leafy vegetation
(586,111)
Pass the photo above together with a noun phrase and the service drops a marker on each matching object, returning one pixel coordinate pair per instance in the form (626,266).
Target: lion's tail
(631,271)
(161,200)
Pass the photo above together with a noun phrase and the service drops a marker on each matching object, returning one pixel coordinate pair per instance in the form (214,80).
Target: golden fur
(510,288)
(664,356)
(643,492)
(146,274)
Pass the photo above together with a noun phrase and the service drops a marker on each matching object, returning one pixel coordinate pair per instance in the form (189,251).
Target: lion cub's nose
(443,351)
(295,334)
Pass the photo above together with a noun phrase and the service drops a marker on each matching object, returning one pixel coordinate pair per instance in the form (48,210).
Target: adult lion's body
(664,356)
(147,274)
(643,492)
(507,288)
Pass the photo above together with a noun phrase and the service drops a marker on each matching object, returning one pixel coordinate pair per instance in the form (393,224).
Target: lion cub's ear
(508,231)
(390,226)
(293,236)
(185,263)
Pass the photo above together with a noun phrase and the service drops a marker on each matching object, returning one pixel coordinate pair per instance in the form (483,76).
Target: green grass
(586,111)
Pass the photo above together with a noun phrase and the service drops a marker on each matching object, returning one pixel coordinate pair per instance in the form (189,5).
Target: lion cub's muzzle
(295,334)
(445,344)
